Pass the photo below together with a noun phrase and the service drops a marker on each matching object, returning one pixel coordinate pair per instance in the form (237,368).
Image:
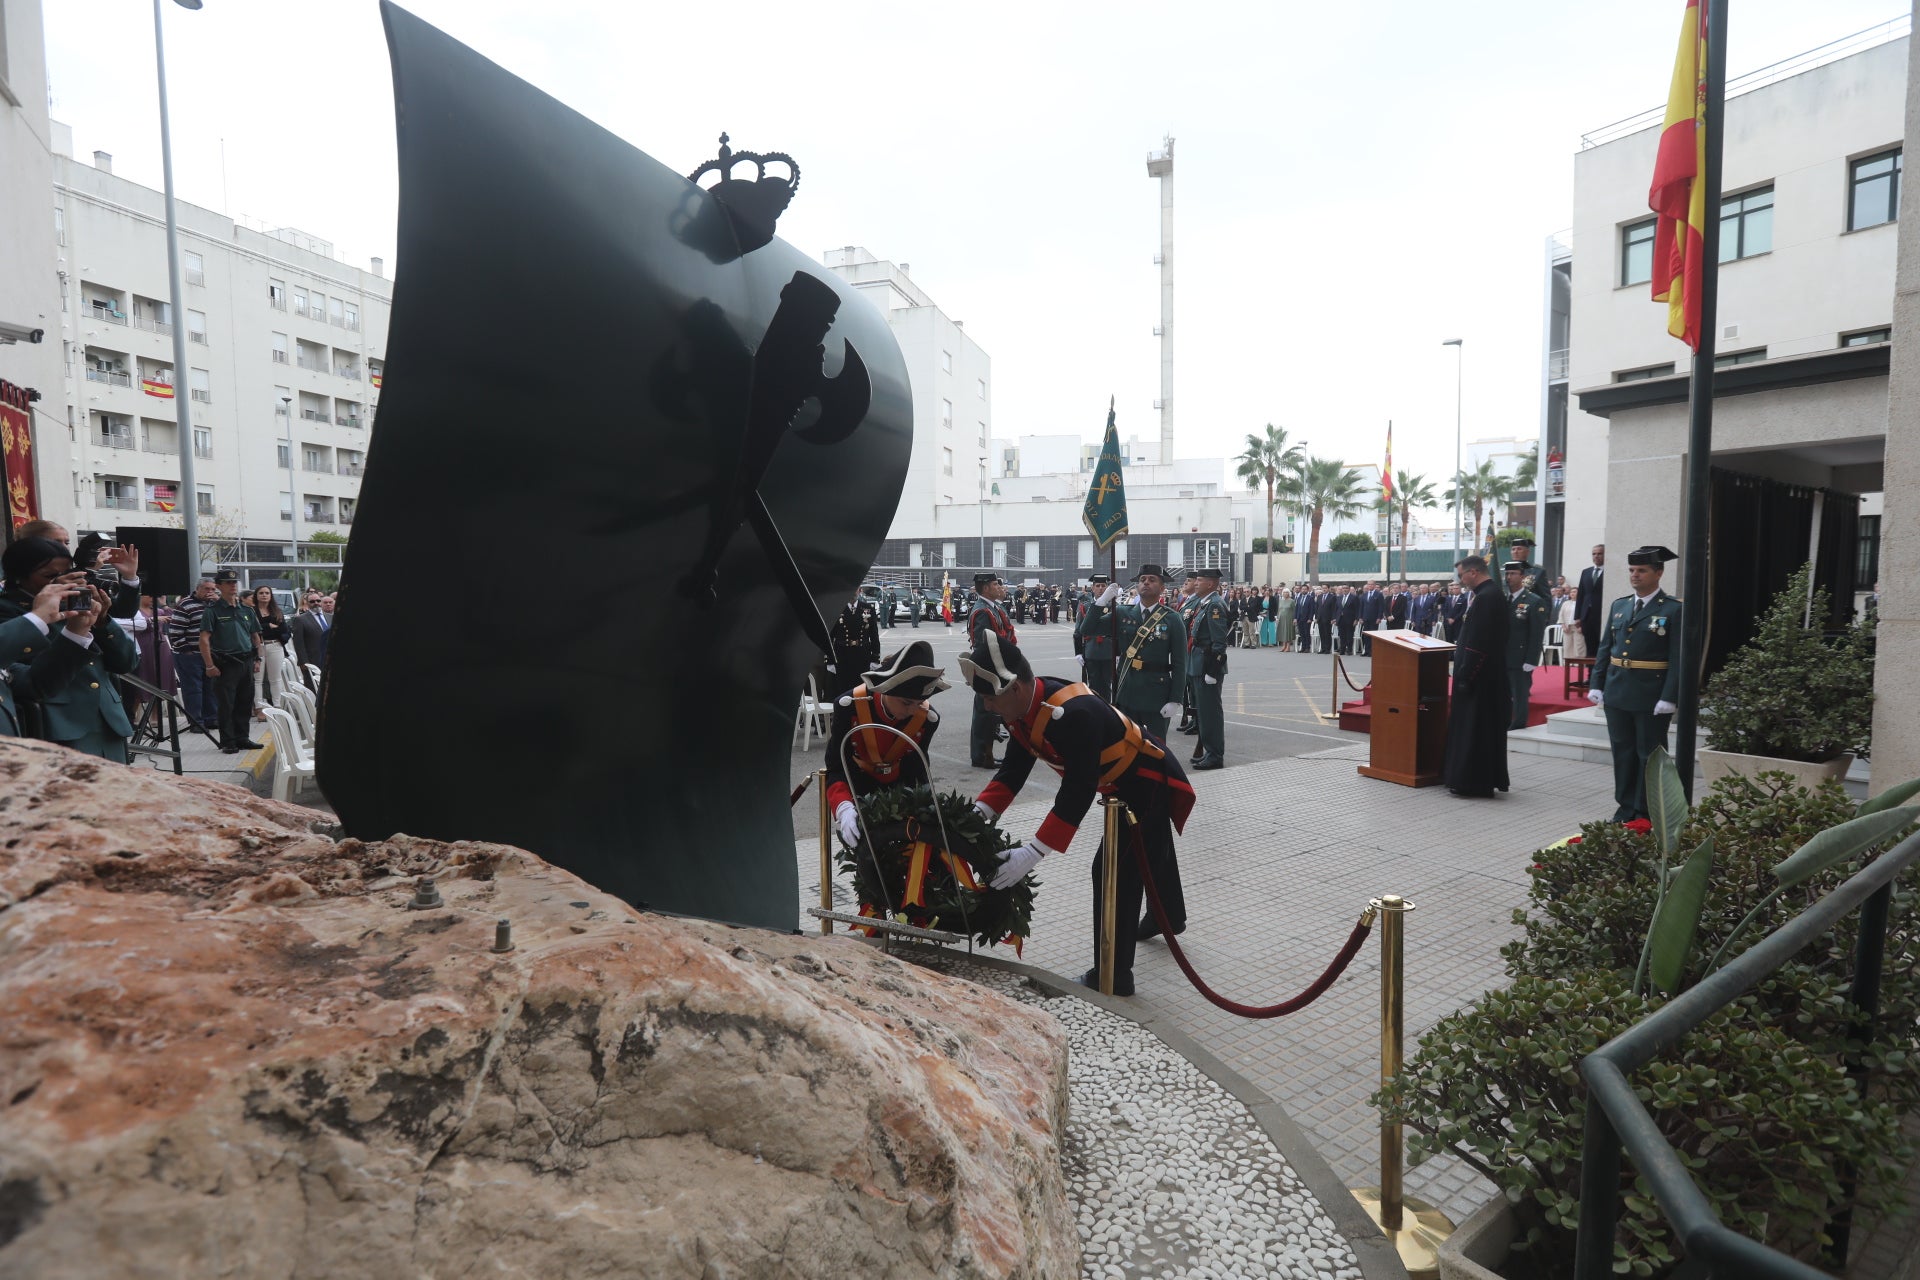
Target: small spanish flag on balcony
(155,387)
(374,377)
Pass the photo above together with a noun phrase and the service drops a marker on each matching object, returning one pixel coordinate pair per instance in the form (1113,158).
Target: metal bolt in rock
(503,935)
(426,895)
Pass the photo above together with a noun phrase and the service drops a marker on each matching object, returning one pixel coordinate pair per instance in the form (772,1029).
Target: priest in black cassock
(1481,704)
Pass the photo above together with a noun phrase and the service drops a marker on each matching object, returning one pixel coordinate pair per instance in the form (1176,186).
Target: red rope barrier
(1301,1001)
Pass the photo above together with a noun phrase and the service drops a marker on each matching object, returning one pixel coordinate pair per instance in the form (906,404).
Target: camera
(78,602)
(106,577)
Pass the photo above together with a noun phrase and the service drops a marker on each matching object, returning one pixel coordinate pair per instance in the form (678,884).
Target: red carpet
(1547,699)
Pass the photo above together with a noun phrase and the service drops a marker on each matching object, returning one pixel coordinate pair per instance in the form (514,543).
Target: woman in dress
(1573,642)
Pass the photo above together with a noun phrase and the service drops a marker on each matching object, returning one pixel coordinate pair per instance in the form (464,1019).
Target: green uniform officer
(230,648)
(1207,637)
(1532,577)
(1153,655)
(1093,630)
(1525,634)
(1636,676)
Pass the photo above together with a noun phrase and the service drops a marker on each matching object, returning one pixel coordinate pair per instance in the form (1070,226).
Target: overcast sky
(1354,183)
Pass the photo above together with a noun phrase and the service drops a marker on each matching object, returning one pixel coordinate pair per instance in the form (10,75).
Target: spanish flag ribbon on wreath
(1105,513)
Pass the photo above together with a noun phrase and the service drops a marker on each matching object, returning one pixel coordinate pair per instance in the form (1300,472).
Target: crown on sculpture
(753,205)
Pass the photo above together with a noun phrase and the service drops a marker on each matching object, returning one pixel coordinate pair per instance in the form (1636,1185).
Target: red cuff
(1056,833)
(838,793)
(997,796)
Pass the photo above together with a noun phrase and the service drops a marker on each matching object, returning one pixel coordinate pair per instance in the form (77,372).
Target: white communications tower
(1160,165)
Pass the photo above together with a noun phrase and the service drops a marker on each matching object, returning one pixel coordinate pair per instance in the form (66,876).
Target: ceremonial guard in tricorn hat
(1093,636)
(894,695)
(1532,578)
(1153,654)
(987,615)
(1096,750)
(1636,677)
(1208,631)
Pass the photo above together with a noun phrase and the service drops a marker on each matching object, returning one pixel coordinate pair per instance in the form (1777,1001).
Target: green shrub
(1352,542)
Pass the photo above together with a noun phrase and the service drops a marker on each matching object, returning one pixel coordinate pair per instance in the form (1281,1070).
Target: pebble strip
(1170,1177)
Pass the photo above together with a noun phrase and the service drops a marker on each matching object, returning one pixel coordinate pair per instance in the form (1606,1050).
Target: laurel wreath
(894,819)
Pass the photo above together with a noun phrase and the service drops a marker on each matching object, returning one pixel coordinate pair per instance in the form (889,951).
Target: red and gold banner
(156,388)
(16,435)
(374,377)
(1679,192)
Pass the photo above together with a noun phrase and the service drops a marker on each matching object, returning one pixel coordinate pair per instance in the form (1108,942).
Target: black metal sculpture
(626,441)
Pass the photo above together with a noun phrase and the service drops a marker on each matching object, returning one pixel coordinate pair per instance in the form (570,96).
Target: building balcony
(346,517)
(278,304)
(161,327)
(200,337)
(307,362)
(202,397)
(203,451)
(1557,365)
(317,466)
(352,326)
(315,415)
(352,468)
(300,309)
(197,278)
(347,371)
(346,420)
(109,377)
(166,448)
(279,357)
(106,316)
(114,442)
(112,503)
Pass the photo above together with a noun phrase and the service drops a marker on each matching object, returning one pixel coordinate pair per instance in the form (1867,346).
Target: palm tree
(1481,486)
(1326,488)
(1409,492)
(1526,475)
(1268,461)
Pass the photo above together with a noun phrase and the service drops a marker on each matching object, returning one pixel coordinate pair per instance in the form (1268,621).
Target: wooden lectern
(1409,720)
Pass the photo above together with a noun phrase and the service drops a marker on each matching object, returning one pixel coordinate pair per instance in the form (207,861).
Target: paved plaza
(1285,847)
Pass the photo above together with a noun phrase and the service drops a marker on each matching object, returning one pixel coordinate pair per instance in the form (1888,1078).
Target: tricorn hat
(1149,571)
(226,575)
(994,665)
(910,673)
(1513,566)
(1099,577)
(1204,571)
(985,579)
(1521,542)
(1655,556)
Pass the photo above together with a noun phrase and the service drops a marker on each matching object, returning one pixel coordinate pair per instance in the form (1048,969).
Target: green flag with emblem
(1106,510)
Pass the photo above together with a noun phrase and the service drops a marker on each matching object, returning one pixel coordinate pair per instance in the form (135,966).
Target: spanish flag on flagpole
(1386,470)
(1679,194)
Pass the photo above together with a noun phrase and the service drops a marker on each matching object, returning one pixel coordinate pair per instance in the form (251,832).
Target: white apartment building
(1808,224)
(29,290)
(285,350)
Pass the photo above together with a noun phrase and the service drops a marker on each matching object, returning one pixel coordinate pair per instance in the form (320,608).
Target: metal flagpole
(1700,406)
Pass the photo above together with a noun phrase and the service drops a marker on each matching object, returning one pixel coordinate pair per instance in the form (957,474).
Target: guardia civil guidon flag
(1679,194)
(1105,513)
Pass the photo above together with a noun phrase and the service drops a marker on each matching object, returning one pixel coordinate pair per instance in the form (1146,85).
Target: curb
(259,763)
(1379,1260)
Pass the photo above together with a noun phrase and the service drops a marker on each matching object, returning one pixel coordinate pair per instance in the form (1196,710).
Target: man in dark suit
(1326,607)
(1349,618)
(312,629)
(1589,600)
(1373,607)
(1453,608)
(1399,609)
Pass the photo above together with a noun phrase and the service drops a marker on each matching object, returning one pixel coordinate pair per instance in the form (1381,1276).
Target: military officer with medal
(1153,654)
(1636,676)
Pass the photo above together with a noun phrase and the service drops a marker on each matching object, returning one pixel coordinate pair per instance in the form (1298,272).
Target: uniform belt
(1633,664)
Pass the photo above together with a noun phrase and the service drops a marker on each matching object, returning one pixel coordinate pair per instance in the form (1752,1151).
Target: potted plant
(1790,699)
(1759,1101)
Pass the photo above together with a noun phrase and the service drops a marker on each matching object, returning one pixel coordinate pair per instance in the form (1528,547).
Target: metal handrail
(1617,1120)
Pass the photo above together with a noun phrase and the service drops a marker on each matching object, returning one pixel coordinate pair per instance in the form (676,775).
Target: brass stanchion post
(826,850)
(1416,1229)
(1110,891)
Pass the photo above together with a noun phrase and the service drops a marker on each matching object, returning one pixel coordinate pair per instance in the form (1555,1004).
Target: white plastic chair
(291,759)
(298,702)
(313,674)
(1555,646)
(814,716)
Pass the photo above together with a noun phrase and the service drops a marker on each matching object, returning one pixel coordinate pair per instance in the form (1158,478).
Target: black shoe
(248,744)
(1192,730)
(1150,928)
(1122,982)
(1470,795)
(229,751)
(988,763)
(1211,762)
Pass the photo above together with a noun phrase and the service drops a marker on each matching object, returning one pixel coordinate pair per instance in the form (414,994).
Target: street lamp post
(293,493)
(1460,351)
(183,413)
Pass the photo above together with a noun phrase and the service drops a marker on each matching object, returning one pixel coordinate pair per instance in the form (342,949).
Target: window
(277,294)
(1866,569)
(1032,560)
(946,462)
(59,224)
(1083,554)
(1866,337)
(196,267)
(914,551)
(1732,358)
(286,506)
(946,414)
(197,327)
(163,495)
(202,442)
(197,379)
(1120,553)
(1873,190)
(299,301)
(279,348)
(1176,552)
(317,308)
(336,312)
(946,362)
(281,396)
(1746,224)
(353,318)
(1636,252)
(314,460)
(1637,375)
(981,383)
(203,500)
(999,555)
(949,554)
(283,458)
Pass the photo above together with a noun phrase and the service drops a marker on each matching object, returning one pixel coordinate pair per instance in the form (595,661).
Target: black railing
(1616,1119)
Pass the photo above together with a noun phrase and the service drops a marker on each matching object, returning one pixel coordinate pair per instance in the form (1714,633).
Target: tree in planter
(1789,692)
(1760,1106)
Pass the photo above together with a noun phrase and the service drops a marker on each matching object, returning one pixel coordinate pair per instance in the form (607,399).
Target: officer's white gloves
(1664,708)
(835,670)
(986,814)
(1209,679)
(1019,862)
(1169,711)
(1595,697)
(847,819)
(1108,596)
(1526,666)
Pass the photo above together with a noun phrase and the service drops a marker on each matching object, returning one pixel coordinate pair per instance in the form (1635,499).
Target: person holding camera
(67,683)
(230,655)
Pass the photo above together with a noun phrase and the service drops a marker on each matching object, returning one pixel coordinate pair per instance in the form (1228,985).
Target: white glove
(1526,666)
(1169,711)
(1209,679)
(1108,596)
(986,814)
(1664,708)
(835,670)
(1595,697)
(847,819)
(1019,862)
